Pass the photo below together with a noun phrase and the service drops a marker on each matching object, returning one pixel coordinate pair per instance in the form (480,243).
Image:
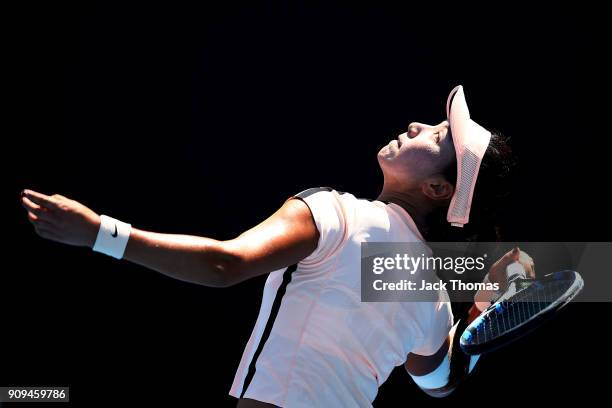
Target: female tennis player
(315,344)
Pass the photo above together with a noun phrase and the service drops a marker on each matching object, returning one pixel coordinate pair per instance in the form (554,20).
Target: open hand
(61,219)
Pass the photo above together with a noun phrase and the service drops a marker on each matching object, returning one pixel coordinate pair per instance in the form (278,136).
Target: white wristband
(113,237)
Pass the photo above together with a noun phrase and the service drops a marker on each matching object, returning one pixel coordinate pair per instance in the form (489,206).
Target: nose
(414,129)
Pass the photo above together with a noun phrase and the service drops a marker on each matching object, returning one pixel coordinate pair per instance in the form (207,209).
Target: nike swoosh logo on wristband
(114,234)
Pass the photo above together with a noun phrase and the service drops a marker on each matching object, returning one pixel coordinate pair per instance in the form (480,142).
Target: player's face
(422,152)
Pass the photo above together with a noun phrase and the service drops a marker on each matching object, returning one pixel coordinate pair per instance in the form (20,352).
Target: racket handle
(484,298)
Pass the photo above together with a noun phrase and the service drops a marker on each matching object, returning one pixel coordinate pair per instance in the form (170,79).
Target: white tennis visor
(471,141)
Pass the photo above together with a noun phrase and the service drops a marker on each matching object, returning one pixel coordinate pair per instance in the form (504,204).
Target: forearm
(440,374)
(188,258)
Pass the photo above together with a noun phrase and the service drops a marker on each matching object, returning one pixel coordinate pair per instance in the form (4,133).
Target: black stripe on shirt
(311,191)
(268,329)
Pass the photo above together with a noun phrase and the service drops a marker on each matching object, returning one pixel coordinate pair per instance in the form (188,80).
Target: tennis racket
(526,304)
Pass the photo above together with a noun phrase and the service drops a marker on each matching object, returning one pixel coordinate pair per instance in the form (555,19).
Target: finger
(528,264)
(29,204)
(40,199)
(497,273)
(524,257)
(37,221)
(33,218)
(34,208)
(508,258)
(529,269)
(41,213)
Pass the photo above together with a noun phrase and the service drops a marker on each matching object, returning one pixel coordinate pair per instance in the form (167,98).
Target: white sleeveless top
(315,344)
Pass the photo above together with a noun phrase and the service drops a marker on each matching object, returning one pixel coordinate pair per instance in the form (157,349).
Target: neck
(412,201)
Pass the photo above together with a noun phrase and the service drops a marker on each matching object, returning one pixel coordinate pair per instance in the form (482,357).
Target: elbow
(222,276)
(224,267)
(216,279)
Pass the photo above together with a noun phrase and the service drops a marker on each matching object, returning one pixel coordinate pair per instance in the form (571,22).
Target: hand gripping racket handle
(484,298)
(515,270)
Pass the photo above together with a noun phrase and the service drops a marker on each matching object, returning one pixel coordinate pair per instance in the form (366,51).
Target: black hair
(491,192)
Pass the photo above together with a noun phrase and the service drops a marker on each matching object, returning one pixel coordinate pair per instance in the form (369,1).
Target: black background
(204,119)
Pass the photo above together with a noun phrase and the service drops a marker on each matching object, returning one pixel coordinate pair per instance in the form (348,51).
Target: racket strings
(524,305)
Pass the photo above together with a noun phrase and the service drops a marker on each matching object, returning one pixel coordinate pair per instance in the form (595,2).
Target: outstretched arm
(286,237)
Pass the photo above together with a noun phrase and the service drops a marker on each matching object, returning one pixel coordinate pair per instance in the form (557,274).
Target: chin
(385,160)
(385,154)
